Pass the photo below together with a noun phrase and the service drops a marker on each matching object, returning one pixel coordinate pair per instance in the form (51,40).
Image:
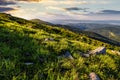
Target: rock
(46,39)
(68,55)
(28,63)
(85,55)
(49,39)
(99,50)
(93,76)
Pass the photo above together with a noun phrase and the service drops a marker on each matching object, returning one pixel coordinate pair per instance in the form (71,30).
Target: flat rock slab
(99,50)
(94,76)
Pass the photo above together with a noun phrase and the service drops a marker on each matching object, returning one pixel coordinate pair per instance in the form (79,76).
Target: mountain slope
(29,50)
(94,34)
(102,29)
(110,32)
(89,31)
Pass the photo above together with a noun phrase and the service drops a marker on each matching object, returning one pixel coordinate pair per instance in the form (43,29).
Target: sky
(52,10)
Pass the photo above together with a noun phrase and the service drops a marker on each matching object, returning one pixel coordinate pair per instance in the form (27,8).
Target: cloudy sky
(51,10)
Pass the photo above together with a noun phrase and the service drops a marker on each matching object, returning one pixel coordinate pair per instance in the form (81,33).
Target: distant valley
(99,30)
(64,22)
(107,30)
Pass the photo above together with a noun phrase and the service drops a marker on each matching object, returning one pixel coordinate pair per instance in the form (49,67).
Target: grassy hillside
(25,54)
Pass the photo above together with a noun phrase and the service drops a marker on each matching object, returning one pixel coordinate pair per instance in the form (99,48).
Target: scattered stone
(46,39)
(68,55)
(85,55)
(99,50)
(28,63)
(93,76)
(49,39)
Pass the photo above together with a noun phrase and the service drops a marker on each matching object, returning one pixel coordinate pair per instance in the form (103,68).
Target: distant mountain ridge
(110,32)
(86,29)
(102,29)
(65,22)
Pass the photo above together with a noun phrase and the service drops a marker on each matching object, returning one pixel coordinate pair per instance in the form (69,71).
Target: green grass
(22,41)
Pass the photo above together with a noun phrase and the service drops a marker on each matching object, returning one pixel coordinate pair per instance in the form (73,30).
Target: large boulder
(68,55)
(99,50)
(93,76)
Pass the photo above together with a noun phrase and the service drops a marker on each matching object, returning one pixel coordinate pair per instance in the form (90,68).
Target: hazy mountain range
(97,30)
(113,22)
(109,29)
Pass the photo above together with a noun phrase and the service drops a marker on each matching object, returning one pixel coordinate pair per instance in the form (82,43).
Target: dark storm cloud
(5,2)
(76,9)
(11,2)
(110,12)
(4,9)
(105,13)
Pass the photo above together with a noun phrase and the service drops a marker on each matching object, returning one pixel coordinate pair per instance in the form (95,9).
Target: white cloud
(98,2)
(73,2)
(54,8)
(62,2)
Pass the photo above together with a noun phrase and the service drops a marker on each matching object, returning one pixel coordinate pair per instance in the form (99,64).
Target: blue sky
(51,10)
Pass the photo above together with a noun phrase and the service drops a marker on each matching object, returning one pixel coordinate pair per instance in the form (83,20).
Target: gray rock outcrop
(99,50)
